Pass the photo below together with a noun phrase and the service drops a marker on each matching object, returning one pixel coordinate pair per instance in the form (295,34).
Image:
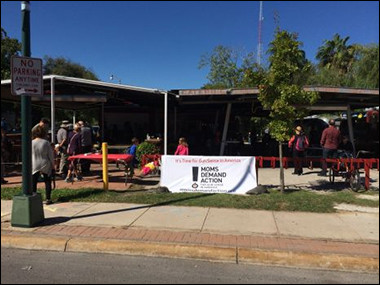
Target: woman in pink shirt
(183,147)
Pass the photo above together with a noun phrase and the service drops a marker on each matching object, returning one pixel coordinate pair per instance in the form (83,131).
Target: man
(44,123)
(63,142)
(330,141)
(86,145)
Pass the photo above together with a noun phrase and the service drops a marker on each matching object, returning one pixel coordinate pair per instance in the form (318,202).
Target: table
(126,158)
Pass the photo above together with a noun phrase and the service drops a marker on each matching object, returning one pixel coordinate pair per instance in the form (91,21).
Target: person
(330,141)
(42,161)
(346,145)
(44,123)
(63,142)
(298,145)
(86,145)
(133,149)
(74,148)
(4,154)
(183,147)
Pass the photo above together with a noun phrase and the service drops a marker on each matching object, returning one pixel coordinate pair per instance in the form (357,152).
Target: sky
(159,44)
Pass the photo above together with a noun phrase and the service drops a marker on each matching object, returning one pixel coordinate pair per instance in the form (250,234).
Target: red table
(126,158)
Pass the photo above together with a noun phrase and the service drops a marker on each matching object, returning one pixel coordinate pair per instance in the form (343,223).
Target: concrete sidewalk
(345,241)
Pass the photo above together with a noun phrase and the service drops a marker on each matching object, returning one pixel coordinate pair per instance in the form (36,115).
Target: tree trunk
(282,174)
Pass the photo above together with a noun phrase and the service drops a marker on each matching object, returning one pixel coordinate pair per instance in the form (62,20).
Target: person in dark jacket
(74,148)
(298,145)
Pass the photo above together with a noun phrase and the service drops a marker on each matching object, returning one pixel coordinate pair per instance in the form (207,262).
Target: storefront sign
(236,175)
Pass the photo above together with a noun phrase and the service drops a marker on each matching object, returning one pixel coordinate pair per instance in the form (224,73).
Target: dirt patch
(354,208)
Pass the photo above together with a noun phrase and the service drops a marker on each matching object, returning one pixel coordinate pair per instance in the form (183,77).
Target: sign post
(27,209)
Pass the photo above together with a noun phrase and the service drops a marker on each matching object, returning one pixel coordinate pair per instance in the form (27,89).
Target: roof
(332,98)
(86,93)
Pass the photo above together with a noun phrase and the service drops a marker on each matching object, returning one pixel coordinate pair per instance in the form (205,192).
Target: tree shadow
(60,220)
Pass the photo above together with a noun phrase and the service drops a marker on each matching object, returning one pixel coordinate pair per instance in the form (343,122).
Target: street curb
(34,242)
(112,246)
(200,252)
(309,260)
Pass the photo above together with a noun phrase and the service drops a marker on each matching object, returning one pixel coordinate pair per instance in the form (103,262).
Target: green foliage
(229,69)
(281,92)
(366,68)
(337,55)
(9,48)
(146,148)
(65,67)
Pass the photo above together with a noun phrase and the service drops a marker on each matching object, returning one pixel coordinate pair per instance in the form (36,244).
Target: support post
(351,128)
(52,105)
(105,166)
(225,131)
(166,125)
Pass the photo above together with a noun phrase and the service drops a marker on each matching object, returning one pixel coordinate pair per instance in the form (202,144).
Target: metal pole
(225,131)
(103,124)
(166,125)
(105,166)
(52,83)
(351,128)
(175,123)
(26,108)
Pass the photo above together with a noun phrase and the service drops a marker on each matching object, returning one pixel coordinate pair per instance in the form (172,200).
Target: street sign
(27,76)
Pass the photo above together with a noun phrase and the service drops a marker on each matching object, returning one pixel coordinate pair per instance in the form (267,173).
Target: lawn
(303,201)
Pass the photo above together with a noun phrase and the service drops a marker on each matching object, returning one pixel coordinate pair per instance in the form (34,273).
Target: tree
(9,48)
(282,92)
(65,67)
(229,69)
(336,54)
(366,68)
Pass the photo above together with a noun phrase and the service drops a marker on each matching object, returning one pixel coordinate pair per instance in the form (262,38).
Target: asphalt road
(37,267)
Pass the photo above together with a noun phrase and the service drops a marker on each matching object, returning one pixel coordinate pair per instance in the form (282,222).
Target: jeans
(328,153)
(47,180)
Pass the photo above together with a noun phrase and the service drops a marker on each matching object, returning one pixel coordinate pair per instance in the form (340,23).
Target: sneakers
(69,180)
(48,202)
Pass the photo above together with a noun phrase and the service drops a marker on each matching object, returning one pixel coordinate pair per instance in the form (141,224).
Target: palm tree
(336,54)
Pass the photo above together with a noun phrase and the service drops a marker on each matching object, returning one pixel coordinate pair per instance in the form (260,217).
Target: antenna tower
(260,45)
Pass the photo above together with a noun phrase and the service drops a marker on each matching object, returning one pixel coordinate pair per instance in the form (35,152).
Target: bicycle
(350,173)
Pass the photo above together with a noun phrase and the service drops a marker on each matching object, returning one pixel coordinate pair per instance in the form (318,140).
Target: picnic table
(125,159)
(98,157)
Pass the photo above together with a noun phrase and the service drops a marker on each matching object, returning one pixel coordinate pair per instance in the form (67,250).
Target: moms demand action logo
(209,175)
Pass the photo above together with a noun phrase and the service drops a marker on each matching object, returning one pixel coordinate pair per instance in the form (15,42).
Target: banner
(235,175)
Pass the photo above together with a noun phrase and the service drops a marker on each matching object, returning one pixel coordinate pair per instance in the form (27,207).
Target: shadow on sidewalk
(61,220)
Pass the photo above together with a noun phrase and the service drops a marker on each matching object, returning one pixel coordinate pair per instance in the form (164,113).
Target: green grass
(302,201)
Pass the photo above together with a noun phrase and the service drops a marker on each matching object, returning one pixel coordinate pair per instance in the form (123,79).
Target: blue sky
(159,44)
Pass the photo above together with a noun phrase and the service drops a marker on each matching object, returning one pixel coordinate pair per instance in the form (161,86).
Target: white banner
(215,174)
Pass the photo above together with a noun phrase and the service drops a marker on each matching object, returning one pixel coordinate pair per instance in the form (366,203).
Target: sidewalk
(342,241)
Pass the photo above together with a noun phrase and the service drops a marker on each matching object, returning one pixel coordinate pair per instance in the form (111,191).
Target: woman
(42,161)
(298,144)
(74,148)
(183,147)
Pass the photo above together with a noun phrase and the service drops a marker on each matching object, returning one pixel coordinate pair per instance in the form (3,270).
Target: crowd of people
(331,141)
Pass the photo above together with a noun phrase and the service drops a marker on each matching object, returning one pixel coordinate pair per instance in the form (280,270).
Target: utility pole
(260,41)
(27,209)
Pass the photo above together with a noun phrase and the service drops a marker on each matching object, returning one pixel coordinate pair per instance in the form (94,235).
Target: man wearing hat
(62,139)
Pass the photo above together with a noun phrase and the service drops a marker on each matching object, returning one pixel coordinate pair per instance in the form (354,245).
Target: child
(183,147)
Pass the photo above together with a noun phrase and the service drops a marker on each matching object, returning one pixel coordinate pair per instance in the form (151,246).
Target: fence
(349,163)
